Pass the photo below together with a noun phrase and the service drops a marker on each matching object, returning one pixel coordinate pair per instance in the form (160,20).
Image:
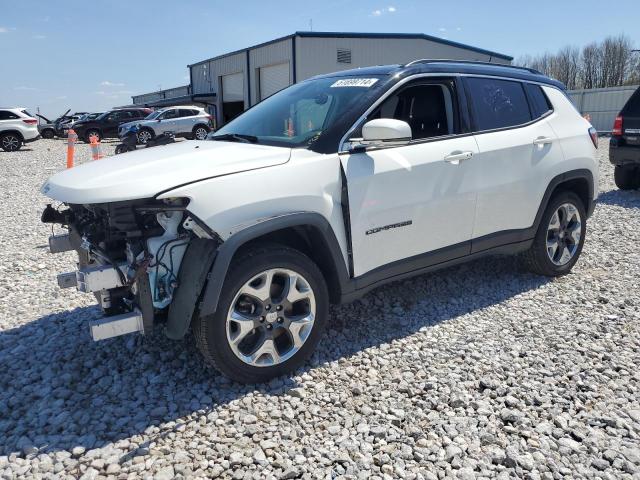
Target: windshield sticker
(355,82)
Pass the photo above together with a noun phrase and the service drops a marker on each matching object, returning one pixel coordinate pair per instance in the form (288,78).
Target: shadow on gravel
(58,389)
(621,198)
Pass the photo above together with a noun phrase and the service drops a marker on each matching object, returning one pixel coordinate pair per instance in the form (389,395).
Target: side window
(498,103)
(169,114)
(538,100)
(186,113)
(429,109)
(6,115)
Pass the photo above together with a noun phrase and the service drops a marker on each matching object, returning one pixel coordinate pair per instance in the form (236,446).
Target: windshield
(299,115)
(153,115)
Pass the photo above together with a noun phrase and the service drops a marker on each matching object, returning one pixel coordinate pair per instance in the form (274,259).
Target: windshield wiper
(240,137)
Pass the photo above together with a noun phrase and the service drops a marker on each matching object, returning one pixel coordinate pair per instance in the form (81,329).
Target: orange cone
(72,138)
(96,154)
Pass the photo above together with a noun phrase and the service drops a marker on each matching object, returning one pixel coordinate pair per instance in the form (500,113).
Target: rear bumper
(623,154)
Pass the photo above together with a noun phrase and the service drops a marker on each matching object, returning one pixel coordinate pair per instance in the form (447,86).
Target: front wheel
(560,236)
(626,177)
(144,136)
(270,316)
(10,142)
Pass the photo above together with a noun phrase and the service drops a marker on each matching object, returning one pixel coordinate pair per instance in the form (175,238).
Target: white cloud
(100,93)
(458,29)
(381,11)
(107,83)
(25,88)
(442,29)
(39,37)
(186,77)
(4,30)
(391,9)
(376,13)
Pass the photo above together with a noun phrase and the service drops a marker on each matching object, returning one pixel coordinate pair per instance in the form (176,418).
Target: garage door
(233,87)
(273,79)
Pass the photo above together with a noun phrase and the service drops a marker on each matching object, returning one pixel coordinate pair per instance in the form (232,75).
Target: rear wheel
(270,315)
(560,236)
(47,133)
(626,177)
(200,132)
(10,142)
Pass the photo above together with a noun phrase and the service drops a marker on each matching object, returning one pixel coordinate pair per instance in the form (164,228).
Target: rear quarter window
(539,102)
(497,103)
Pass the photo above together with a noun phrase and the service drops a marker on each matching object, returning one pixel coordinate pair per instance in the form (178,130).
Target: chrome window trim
(402,82)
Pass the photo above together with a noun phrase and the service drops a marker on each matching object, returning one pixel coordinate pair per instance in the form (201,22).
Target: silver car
(183,121)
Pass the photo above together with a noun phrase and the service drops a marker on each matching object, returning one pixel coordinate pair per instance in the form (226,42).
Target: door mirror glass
(386,131)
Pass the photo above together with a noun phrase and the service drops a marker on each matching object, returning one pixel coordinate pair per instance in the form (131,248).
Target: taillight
(30,121)
(593,133)
(617,126)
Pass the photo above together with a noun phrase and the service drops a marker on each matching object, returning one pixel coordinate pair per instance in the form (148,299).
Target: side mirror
(386,131)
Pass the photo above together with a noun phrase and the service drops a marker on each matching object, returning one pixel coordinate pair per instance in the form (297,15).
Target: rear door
(517,150)
(186,120)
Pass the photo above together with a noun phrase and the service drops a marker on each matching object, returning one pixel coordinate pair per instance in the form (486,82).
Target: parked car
(82,118)
(46,129)
(322,192)
(106,125)
(624,146)
(182,121)
(17,126)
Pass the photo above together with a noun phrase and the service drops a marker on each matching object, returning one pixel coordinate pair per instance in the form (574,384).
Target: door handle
(455,158)
(542,141)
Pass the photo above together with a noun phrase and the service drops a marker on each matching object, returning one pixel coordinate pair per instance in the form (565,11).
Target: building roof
(409,36)
(450,66)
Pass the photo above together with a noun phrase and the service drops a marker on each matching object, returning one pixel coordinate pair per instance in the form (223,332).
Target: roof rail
(471,62)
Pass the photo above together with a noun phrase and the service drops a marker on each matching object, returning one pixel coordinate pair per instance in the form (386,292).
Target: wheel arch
(578,181)
(308,232)
(15,132)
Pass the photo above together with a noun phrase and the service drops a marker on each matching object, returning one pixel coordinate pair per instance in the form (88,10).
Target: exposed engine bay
(130,254)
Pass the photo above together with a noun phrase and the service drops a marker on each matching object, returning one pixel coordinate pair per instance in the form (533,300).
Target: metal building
(237,80)
(173,96)
(601,104)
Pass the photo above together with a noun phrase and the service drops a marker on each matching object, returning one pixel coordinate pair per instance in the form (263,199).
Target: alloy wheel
(10,143)
(144,136)
(271,317)
(563,234)
(201,133)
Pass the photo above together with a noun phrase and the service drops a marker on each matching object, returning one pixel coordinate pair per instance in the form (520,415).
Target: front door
(418,198)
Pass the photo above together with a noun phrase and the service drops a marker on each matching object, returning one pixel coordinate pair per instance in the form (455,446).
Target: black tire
(626,177)
(91,133)
(210,332)
(48,133)
(10,142)
(197,132)
(148,131)
(537,258)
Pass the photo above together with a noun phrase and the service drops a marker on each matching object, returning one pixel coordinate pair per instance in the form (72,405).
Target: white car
(183,121)
(17,127)
(325,190)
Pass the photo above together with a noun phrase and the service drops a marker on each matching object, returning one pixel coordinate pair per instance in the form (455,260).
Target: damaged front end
(129,257)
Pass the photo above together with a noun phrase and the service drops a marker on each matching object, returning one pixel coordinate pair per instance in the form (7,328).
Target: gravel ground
(477,371)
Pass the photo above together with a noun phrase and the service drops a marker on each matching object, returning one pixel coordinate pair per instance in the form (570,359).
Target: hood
(149,171)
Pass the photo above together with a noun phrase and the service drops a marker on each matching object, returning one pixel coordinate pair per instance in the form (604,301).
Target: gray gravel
(478,371)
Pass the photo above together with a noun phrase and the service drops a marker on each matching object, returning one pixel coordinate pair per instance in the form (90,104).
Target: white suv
(323,191)
(17,126)
(183,121)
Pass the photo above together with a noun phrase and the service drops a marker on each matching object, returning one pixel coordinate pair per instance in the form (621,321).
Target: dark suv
(106,125)
(624,146)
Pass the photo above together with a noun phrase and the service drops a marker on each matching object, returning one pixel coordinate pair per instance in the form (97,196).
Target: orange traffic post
(96,154)
(72,138)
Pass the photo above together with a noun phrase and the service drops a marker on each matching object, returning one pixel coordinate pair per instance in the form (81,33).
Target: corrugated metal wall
(315,56)
(161,94)
(272,54)
(602,104)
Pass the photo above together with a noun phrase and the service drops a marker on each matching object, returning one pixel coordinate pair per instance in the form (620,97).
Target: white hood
(149,171)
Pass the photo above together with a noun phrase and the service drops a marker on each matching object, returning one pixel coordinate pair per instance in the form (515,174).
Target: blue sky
(59,54)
